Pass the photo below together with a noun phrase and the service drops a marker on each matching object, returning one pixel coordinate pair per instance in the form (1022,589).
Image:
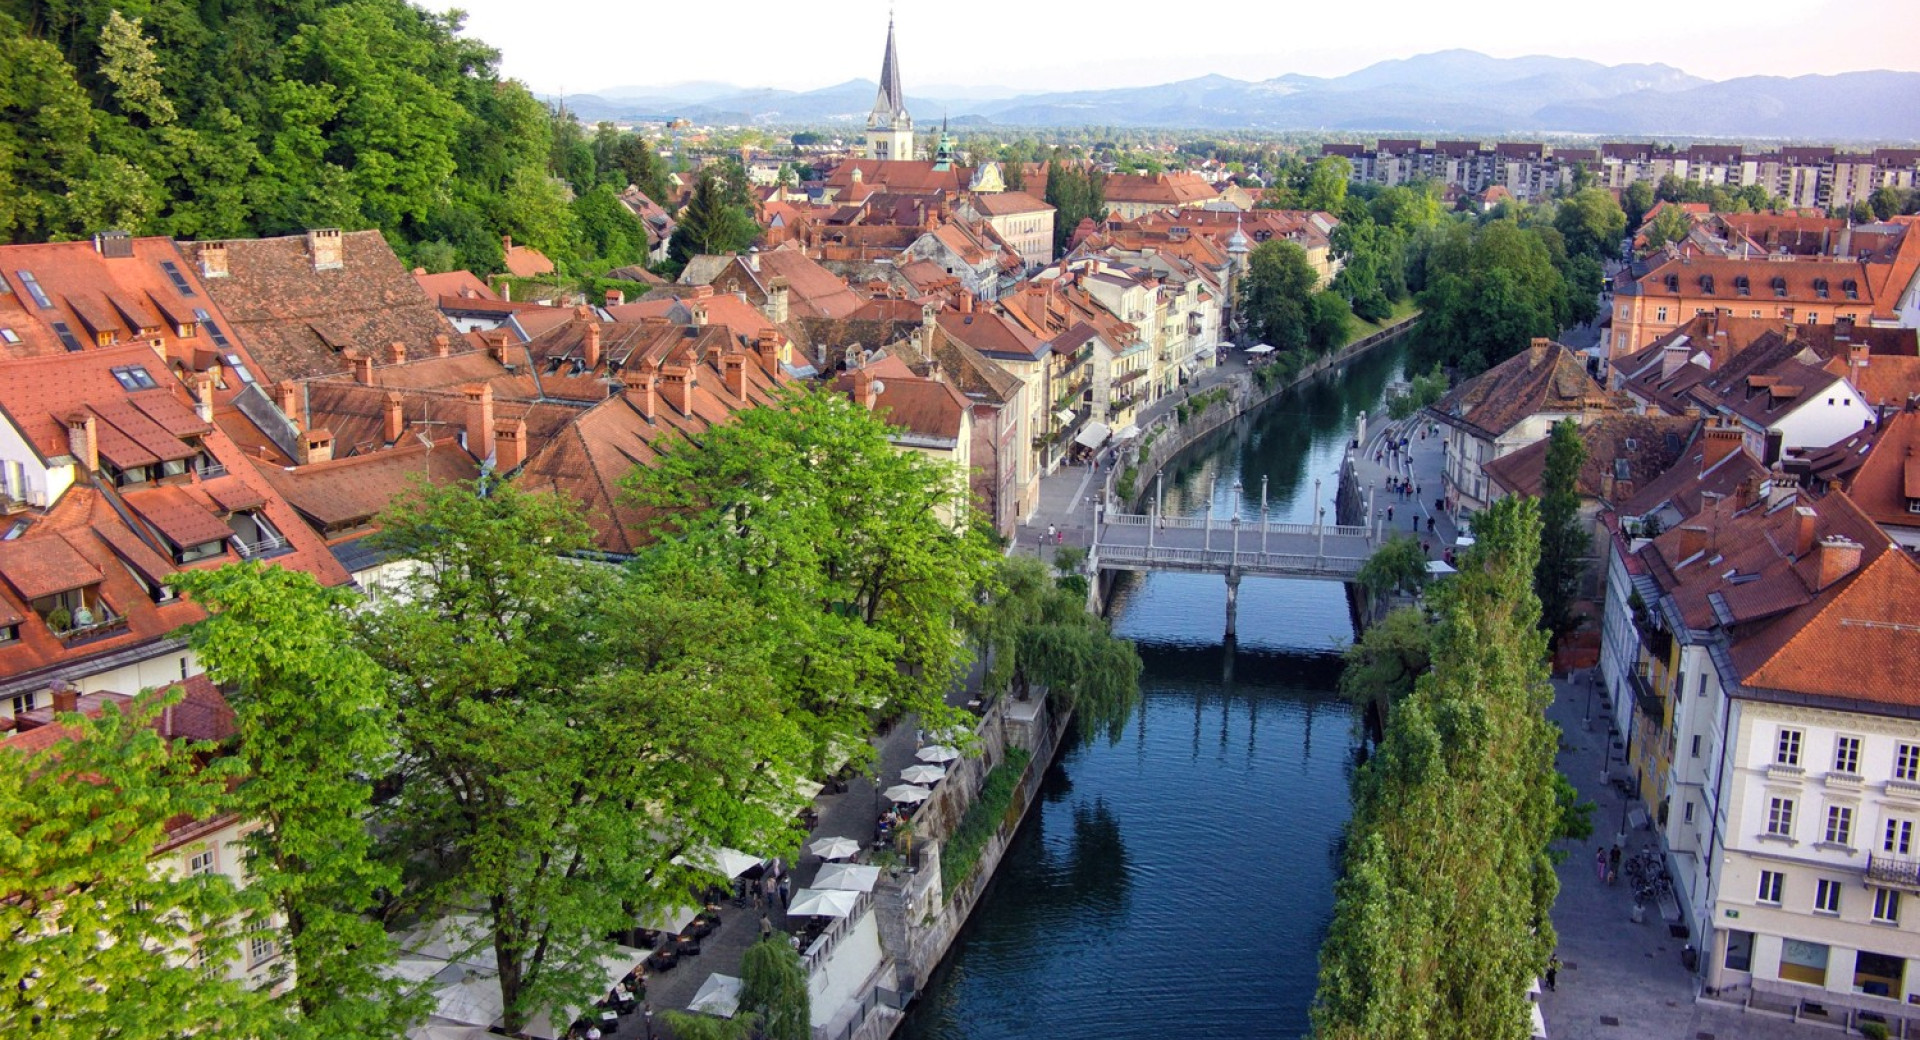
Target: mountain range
(1457,91)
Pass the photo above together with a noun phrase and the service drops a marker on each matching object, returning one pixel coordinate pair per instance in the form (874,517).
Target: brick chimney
(316,446)
(1857,355)
(966,301)
(83,441)
(700,292)
(866,389)
(394,415)
(753,260)
(509,444)
(66,698)
(768,347)
(1835,558)
(699,313)
(203,396)
(1805,523)
(592,349)
(677,383)
(213,259)
(327,249)
(1673,357)
(361,364)
(733,372)
(479,419)
(928,322)
(1721,441)
(442,344)
(615,297)
(644,395)
(496,340)
(286,394)
(396,353)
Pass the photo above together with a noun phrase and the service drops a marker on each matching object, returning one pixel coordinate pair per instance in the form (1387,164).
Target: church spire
(889,127)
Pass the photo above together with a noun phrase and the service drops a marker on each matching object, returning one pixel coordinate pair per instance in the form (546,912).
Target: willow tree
(1036,631)
(1441,919)
(773,989)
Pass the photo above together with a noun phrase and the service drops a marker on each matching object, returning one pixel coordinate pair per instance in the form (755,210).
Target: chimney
(326,248)
(733,372)
(591,351)
(396,353)
(615,297)
(394,425)
(1721,441)
(934,372)
(442,344)
(83,441)
(479,419)
(677,383)
(966,302)
(509,444)
(928,322)
(362,364)
(1693,541)
(698,312)
(213,259)
(768,347)
(1672,358)
(1857,355)
(286,394)
(778,295)
(701,292)
(496,340)
(506,243)
(203,396)
(866,389)
(316,446)
(1805,521)
(1835,558)
(66,698)
(753,260)
(645,395)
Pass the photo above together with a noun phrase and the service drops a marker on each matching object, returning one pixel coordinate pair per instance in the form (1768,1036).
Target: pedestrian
(1600,865)
(1415,517)
(1416,490)
(646,1015)
(1060,538)
(1389,514)
(1051,531)
(1553,971)
(1426,548)
(786,889)
(1440,505)
(766,926)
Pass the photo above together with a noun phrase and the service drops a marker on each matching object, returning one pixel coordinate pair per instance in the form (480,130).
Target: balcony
(268,545)
(1646,701)
(1893,872)
(104,625)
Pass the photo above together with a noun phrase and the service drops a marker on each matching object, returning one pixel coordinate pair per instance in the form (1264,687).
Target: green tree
(1592,223)
(1328,319)
(96,937)
(1563,545)
(46,130)
(710,224)
(1637,199)
(773,989)
(1327,184)
(1670,225)
(1670,189)
(311,725)
(1441,918)
(1076,193)
(1397,566)
(1276,294)
(1488,293)
(1383,663)
(1036,631)
(1861,212)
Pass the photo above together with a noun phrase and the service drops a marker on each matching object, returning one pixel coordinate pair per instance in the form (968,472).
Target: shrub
(983,820)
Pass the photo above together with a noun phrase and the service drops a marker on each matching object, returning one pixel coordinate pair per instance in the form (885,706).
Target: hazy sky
(585,45)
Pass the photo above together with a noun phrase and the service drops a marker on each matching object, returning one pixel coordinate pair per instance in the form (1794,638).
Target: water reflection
(1181,879)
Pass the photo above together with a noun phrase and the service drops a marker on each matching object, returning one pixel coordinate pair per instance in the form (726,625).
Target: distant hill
(1456,91)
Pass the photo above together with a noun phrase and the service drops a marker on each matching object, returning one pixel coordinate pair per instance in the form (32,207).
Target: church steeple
(889,127)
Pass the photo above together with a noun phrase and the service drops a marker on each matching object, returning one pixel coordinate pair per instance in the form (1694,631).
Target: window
(1696,745)
(1786,748)
(1770,884)
(1739,951)
(173,275)
(263,944)
(1846,755)
(1688,815)
(133,377)
(1898,838)
(23,702)
(67,338)
(1780,818)
(33,289)
(1803,962)
(200,862)
(9,336)
(1839,825)
(1660,314)
(1886,906)
(1826,897)
(1906,763)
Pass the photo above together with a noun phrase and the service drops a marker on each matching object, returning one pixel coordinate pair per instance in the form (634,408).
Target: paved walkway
(1620,980)
(1421,464)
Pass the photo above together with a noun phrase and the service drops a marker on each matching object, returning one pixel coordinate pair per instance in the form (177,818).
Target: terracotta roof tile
(1544,379)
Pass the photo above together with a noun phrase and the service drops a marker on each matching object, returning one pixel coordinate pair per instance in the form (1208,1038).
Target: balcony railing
(1893,872)
(106,625)
(268,545)
(1646,700)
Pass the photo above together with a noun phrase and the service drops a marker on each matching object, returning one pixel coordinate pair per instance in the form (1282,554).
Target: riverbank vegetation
(990,810)
(1441,918)
(1036,632)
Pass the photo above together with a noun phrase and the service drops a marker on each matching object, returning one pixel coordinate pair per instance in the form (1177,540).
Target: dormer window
(1779,286)
(1742,286)
(1820,287)
(1673,283)
(1851,288)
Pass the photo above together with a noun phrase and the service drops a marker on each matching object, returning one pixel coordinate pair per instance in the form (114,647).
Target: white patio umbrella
(907,793)
(719,995)
(936,753)
(474,1000)
(846,877)
(834,848)
(1260,348)
(823,902)
(923,774)
(724,861)
(1439,567)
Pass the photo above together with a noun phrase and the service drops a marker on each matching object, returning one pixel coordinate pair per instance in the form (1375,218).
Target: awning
(823,902)
(726,862)
(1439,567)
(846,877)
(1064,415)
(1094,435)
(719,995)
(1260,348)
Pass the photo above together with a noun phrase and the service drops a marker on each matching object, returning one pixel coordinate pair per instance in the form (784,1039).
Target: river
(1178,882)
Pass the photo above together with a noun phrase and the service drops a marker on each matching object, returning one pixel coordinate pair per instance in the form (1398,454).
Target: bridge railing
(1248,561)
(1199,523)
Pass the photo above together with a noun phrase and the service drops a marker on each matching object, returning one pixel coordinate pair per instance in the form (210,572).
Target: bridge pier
(1233,601)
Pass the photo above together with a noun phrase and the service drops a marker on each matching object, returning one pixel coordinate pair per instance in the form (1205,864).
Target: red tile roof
(1544,379)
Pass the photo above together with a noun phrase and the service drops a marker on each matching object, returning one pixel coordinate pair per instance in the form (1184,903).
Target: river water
(1178,882)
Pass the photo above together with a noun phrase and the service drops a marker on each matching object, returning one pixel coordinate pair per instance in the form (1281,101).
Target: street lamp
(1236,541)
(1263,514)
(1213,486)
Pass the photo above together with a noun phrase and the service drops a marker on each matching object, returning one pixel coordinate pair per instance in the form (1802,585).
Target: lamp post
(1212,487)
(1323,532)
(1263,514)
(1586,715)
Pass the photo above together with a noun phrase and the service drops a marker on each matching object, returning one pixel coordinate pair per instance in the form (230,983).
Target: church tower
(889,127)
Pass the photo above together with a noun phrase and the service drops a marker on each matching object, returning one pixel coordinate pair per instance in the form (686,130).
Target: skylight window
(133,377)
(213,328)
(33,289)
(67,338)
(9,336)
(179,280)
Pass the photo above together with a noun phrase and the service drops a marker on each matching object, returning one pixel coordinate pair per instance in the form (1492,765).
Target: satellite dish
(879,388)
